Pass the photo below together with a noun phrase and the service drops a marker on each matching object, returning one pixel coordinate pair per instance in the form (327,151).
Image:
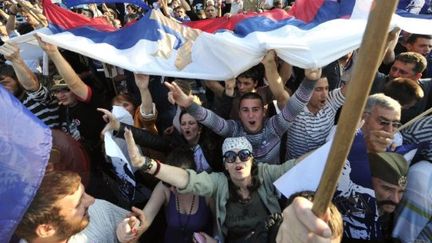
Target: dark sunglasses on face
(385,122)
(231,156)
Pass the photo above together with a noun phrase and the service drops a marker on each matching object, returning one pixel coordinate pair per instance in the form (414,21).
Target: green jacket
(215,185)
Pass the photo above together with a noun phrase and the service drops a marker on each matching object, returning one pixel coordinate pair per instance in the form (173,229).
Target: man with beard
(61,211)
(356,195)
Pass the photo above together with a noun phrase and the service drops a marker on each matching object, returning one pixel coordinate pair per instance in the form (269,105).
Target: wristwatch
(147,164)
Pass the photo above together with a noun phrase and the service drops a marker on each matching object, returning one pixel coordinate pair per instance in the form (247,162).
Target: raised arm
(173,175)
(164,8)
(142,82)
(11,20)
(392,40)
(275,81)
(144,138)
(25,76)
(204,116)
(185,5)
(282,121)
(74,82)
(215,86)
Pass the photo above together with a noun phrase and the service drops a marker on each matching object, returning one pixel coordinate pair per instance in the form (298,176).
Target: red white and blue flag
(313,34)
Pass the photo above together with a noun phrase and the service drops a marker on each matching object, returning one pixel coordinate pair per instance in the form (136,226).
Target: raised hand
(269,58)
(230,85)
(134,154)
(47,47)
(178,96)
(10,51)
(313,73)
(141,80)
(110,119)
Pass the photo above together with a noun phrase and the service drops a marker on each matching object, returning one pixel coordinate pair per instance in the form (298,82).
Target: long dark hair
(234,195)
(210,143)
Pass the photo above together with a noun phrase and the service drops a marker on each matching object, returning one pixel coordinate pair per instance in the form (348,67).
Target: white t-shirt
(104,217)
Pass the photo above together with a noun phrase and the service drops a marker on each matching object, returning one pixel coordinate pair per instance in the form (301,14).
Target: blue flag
(25,145)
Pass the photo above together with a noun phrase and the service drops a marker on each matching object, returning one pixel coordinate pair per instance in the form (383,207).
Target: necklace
(185,224)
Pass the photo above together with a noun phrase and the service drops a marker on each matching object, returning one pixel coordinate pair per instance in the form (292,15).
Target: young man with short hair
(61,211)
(264,134)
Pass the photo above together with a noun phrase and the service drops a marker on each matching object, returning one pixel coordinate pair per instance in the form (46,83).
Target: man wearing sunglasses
(381,120)
(357,195)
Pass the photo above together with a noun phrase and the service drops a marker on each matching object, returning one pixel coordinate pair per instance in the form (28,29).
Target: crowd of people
(208,151)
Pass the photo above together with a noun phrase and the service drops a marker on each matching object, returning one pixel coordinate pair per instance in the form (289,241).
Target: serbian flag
(313,34)
(25,145)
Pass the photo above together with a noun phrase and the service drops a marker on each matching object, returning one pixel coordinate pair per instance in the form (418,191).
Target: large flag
(25,145)
(313,34)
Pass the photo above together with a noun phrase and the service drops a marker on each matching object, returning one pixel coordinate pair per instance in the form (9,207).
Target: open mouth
(238,168)
(187,132)
(252,123)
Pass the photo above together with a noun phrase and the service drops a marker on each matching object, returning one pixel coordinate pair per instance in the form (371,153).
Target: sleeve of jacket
(273,172)
(145,138)
(203,184)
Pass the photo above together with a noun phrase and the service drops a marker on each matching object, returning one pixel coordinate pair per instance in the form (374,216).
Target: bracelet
(147,164)
(158,165)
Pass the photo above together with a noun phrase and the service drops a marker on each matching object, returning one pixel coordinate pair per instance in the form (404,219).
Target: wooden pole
(369,58)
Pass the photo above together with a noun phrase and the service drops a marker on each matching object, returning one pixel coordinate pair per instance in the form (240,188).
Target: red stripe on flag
(306,10)
(229,23)
(67,19)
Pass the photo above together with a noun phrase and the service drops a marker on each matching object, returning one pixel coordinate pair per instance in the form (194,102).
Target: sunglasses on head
(231,156)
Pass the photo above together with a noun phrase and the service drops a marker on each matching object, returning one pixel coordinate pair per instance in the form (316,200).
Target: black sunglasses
(231,156)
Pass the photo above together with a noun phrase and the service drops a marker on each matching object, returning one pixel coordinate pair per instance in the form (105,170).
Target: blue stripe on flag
(25,145)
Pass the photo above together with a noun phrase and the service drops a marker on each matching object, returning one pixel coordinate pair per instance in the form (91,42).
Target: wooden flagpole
(370,54)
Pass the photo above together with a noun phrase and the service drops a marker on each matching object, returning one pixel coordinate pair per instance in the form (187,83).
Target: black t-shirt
(83,122)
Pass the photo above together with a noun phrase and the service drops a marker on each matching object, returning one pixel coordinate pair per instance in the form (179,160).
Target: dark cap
(389,167)
(58,83)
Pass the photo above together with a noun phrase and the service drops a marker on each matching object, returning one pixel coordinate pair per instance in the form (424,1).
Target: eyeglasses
(385,122)
(231,156)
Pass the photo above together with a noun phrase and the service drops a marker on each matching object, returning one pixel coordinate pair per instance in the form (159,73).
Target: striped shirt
(420,132)
(265,143)
(414,215)
(42,105)
(309,131)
